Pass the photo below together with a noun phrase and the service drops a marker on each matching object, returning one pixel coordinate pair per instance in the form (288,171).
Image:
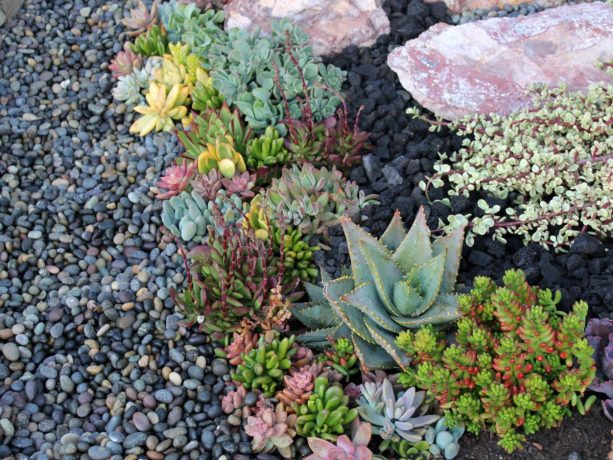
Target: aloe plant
(399,281)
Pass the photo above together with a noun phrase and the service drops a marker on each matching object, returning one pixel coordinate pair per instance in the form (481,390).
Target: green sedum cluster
(516,364)
(554,162)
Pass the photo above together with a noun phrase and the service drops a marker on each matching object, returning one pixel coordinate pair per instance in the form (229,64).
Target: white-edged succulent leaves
(398,281)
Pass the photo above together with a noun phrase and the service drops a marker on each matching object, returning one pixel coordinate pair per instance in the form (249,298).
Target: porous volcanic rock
(487,66)
(331,25)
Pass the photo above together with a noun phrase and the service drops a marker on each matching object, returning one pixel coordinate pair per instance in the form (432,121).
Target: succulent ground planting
(263,274)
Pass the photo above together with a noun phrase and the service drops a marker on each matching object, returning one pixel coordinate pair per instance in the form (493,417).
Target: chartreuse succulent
(212,124)
(394,418)
(264,367)
(163,109)
(399,281)
(516,364)
(312,199)
(221,155)
(267,150)
(189,217)
(326,414)
(151,43)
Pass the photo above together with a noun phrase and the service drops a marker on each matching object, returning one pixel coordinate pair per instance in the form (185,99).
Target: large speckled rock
(331,24)
(487,66)
(8,9)
(457,6)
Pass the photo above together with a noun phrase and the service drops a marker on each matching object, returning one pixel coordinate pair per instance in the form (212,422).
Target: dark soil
(403,154)
(578,438)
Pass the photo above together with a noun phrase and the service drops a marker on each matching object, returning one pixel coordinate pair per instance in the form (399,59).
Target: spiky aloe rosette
(232,277)
(398,281)
(517,363)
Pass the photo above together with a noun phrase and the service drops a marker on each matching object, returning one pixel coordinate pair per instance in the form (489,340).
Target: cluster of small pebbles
(94,361)
(509,11)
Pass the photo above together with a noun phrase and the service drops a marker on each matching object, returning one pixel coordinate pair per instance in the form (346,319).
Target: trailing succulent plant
(312,199)
(151,43)
(272,430)
(599,334)
(341,357)
(125,63)
(439,441)
(230,279)
(355,448)
(208,185)
(398,281)
(516,365)
(247,65)
(267,150)
(163,109)
(213,124)
(394,418)
(264,367)
(176,179)
(188,216)
(221,156)
(326,414)
(141,18)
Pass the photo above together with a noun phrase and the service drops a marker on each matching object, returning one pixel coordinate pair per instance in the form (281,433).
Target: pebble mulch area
(94,362)
(403,154)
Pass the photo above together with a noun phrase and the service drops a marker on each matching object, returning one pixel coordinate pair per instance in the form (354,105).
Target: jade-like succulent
(394,418)
(188,216)
(241,344)
(151,43)
(162,109)
(211,125)
(233,404)
(326,414)
(141,18)
(204,95)
(312,199)
(272,430)
(355,448)
(176,179)
(297,387)
(222,156)
(263,367)
(267,150)
(125,63)
(398,281)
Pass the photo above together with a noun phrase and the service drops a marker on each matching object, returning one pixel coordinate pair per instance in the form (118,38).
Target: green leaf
(372,356)
(445,310)
(430,277)
(387,341)
(450,244)
(366,299)
(394,233)
(415,249)
(354,234)
(406,298)
(315,315)
(351,316)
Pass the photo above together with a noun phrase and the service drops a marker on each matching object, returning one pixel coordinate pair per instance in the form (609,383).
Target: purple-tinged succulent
(240,184)
(272,430)
(208,185)
(141,18)
(176,179)
(125,63)
(599,333)
(355,448)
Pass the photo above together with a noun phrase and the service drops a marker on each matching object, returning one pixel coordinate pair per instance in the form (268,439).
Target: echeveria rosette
(355,448)
(397,282)
(599,333)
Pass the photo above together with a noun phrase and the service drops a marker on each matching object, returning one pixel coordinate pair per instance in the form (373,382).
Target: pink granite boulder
(331,24)
(487,66)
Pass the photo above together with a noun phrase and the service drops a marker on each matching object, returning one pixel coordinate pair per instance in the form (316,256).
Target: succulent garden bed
(216,245)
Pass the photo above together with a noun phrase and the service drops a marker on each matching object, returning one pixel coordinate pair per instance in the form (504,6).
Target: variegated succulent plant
(222,156)
(394,418)
(399,281)
(163,109)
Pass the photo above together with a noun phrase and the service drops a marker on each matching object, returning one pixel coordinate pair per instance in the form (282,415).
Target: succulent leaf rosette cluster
(516,365)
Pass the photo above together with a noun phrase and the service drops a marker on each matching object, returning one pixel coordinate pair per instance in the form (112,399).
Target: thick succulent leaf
(372,356)
(384,271)
(394,233)
(315,315)
(369,414)
(406,298)
(444,310)
(452,244)
(415,249)
(366,299)
(430,278)
(387,341)
(319,337)
(410,435)
(315,292)
(354,234)
(354,319)
(417,422)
